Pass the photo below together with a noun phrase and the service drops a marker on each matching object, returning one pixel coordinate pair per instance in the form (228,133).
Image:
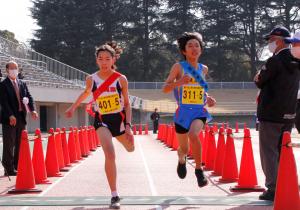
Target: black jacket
(154,116)
(9,100)
(278,84)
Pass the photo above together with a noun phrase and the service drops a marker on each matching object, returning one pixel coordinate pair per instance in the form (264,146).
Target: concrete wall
(57,101)
(57,95)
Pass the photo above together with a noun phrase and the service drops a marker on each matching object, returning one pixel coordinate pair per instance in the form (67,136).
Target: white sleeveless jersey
(111,100)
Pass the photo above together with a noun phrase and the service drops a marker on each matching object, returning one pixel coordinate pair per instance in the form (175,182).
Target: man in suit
(16,101)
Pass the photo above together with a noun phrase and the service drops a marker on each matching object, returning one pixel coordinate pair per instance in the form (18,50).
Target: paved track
(149,173)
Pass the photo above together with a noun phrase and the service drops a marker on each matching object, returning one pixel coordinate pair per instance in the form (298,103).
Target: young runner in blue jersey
(187,80)
(112,113)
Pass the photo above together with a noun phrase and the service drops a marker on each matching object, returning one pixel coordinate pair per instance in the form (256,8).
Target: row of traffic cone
(60,154)
(223,161)
(221,158)
(237,126)
(138,129)
(166,134)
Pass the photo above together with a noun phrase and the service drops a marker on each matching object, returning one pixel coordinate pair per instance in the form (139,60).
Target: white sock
(114,194)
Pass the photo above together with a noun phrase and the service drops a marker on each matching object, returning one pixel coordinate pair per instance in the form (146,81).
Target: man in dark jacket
(16,101)
(278,81)
(155,118)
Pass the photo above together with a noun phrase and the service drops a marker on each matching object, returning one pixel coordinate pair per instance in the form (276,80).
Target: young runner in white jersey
(112,113)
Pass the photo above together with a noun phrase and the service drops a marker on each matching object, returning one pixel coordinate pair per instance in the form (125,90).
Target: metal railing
(51,84)
(70,73)
(23,61)
(211,85)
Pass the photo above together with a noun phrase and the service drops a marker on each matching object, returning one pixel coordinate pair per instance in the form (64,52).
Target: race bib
(192,95)
(109,103)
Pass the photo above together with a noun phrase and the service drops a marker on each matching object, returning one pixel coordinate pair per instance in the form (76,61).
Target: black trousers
(155,126)
(11,144)
(270,138)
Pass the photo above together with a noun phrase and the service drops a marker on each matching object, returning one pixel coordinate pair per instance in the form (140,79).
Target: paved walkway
(147,179)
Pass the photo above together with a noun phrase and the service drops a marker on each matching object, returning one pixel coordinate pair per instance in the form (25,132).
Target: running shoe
(115,203)
(202,181)
(181,169)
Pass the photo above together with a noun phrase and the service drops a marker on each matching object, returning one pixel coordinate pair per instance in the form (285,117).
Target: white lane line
(55,183)
(150,179)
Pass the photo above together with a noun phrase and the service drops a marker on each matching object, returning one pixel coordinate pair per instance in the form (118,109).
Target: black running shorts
(114,122)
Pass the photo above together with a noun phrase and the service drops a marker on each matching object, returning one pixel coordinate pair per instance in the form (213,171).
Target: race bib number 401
(108,104)
(192,95)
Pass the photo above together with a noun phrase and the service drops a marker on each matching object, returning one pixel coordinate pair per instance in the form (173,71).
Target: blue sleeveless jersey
(191,97)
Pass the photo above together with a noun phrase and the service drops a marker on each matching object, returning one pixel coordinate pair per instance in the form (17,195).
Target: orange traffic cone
(215,127)
(165,140)
(134,129)
(218,165)
(247,178)
(81,142)
(38,160)
(72,147)
(59,150)
(140,129)
(52,166)
(287,191)
(236,127)
(230,170)
(85,140)
(77,144)
(165,133)
(65,148)
(92,136)
(159,132)
(211,150)
(146,129)
(25,178)
(89,139)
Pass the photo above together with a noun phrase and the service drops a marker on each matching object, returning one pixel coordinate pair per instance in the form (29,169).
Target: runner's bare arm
(211,101)
(81,97)
(174,79)
(124,83)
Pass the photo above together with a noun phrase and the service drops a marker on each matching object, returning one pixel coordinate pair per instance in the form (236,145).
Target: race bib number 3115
(108,104)
(192,95)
